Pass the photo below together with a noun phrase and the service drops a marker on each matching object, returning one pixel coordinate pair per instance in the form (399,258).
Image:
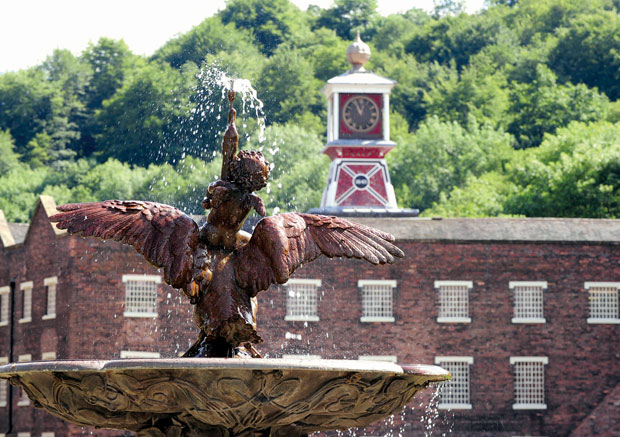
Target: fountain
(222,386)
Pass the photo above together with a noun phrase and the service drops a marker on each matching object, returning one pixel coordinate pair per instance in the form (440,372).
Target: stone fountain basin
(224,397)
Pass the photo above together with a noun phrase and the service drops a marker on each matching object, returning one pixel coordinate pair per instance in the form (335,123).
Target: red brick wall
(583,359)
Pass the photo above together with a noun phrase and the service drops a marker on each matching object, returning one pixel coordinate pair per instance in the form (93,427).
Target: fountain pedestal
(221,397)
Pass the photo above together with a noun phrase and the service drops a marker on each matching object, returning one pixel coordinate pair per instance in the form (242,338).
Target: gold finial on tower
(358,53)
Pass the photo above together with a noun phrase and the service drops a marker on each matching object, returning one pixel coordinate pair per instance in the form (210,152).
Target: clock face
(360,114)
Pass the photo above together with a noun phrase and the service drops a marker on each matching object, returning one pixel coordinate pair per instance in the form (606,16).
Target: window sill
(529,406)
(4,323)
(453,319)
(28,320)
(594,321)
(454,406)
(48,317)
(301,318)
(377,319)
(530,320)
(140,315)
(3,404)
(24,403)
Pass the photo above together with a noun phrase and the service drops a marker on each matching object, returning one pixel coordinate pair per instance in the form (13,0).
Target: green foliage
(139,121)
(542,106)
(272,22)
(288,87)
(8,158)
(588,51)
(442,155)
(346,17)
(532,75)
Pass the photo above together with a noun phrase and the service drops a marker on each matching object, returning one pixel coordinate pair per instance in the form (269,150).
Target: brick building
(523,312)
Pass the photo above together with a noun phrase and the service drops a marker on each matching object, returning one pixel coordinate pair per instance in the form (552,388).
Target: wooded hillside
(511,111)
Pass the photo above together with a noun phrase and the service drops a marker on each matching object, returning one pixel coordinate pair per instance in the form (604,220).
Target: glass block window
(454,394)
(528,301)
(453,301)
(529,380)
(301,299)
(50,294)
(4,305)
(4,385)
(26,288)
(141,295)
(377,297)
(603,300)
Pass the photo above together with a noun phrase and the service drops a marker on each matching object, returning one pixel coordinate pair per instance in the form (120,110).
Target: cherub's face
(249,170)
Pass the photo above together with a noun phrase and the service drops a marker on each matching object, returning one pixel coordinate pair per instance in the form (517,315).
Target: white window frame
(300,357)
(523,405)
(457,359)
(50,296)
(456,319)
(603,320)
(24,400)
(385,282)
(139,354)
(4,386)
(512,285)
(384,358)
(26,288)
(141,278)
(48,356)
(300,317)
(5,311)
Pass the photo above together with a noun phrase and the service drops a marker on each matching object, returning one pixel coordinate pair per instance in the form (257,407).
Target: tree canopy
(513,110)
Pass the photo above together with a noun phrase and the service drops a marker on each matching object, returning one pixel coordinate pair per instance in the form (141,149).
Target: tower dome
(358,53)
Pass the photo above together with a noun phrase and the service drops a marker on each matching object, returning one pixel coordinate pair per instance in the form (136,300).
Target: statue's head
(249,170)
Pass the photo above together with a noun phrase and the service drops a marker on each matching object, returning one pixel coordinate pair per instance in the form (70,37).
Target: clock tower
(358,138)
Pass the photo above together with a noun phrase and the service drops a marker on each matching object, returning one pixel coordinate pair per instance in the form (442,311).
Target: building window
(4,385)
(454,394)
(453,301)
(4,305)
(139,354)
(26,287)
(528,301)
(385,358)
(529,382)
(301,301)
(141,295)
(50,293)
(377,296)
(24,400)
(47,356)
(603,298)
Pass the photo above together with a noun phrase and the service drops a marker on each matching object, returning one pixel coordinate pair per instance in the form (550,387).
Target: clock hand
(358,106)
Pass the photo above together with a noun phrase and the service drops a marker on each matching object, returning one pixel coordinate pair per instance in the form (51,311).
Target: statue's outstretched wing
(282,243)
(164,235)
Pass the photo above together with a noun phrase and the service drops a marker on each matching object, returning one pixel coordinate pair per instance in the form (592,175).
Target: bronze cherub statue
(219,267)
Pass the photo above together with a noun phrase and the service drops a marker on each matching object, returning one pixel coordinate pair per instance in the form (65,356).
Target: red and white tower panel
(358,138)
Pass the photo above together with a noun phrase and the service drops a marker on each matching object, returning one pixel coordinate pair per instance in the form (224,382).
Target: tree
(141,121)
(543,106)
(587,51)
(271,22)
(575,173)
(348,16)
(440,156)
(8,158)
(288,87)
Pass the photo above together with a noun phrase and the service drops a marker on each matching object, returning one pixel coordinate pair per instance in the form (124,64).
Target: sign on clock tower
(358,138)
